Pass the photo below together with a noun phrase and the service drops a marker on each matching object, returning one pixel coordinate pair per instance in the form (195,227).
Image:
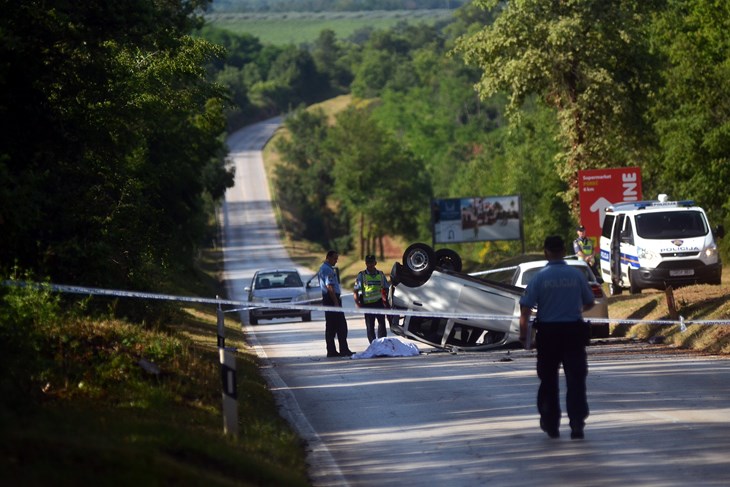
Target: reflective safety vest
(585,245)
(372,286)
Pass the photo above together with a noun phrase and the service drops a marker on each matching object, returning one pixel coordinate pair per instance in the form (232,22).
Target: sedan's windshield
(671,224)
(267,280)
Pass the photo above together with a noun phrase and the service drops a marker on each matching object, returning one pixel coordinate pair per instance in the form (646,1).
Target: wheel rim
(418,261)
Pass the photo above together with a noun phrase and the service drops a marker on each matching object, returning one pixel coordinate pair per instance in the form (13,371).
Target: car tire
(307,317)
(419,259)
(448,259)
(633,287)
(253,320)
(400,275)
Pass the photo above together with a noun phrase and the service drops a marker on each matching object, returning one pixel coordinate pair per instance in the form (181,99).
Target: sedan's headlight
(302,297)
(257,299)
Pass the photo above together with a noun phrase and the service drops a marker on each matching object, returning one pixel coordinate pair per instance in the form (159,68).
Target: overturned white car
(431,281)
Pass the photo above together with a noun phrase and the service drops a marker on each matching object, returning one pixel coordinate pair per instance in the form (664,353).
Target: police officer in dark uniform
(561,293)
(335,322)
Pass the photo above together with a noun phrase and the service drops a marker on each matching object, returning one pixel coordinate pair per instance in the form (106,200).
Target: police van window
(607,226)
(671,224)
(627,234)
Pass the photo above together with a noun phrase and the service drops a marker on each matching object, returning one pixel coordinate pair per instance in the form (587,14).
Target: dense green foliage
(379,182)
(692,113)
(588,60)
(559,87)
(264,80)
(112,146)
(129,145)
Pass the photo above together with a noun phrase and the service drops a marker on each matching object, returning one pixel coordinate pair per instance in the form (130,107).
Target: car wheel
(307,317)
(633,287)
(400,275)
(600,331)
(448,259)
(253,320)
(419,259)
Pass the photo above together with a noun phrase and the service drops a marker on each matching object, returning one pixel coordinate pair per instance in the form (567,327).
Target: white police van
(653,244)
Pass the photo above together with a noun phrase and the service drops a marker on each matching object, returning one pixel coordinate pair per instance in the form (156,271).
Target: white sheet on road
(388,347)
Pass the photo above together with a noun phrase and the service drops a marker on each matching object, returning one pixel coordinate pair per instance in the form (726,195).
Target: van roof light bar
(642,205)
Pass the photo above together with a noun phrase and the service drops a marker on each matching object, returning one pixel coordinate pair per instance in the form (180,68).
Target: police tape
(303,306)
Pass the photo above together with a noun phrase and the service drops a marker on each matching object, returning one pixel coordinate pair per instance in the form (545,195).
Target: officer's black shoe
(576,434)
(332,354)
(347,353)
(552,432)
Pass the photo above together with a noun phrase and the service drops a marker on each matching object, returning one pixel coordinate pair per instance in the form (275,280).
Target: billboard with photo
(476,219)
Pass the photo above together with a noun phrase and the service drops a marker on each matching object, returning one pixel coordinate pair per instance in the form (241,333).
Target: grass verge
(89,413)
(698,302)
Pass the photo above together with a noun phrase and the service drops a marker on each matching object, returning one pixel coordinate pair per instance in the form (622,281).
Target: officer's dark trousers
(370,321)
(335,326)
(562,343)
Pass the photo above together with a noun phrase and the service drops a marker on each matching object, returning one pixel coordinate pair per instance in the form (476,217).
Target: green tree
(381,184)
(304,181)
(112,127)
(295,69)
(692,114)
(588,59)
(330,58)
(373,73)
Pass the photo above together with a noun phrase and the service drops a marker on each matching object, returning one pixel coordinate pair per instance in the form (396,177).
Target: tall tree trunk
(362,236)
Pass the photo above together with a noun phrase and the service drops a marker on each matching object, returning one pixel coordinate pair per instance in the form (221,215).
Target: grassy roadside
(101,419)
(699,302)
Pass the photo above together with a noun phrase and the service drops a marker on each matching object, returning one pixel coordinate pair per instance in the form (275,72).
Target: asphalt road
(657,418)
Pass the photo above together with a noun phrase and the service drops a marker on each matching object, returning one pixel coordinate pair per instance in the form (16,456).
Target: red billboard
(600,188)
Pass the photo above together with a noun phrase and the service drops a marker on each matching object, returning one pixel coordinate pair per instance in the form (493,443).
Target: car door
(314,291)
(629,256)
(616,249)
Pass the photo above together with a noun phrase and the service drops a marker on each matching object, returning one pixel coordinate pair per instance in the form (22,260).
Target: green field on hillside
(303,27)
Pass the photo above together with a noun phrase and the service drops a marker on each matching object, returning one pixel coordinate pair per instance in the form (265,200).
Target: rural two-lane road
(468,419)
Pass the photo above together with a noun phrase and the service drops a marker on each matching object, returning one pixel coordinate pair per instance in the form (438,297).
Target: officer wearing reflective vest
(371,290)
(583,248)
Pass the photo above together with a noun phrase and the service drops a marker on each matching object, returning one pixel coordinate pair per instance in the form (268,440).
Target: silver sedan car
(279,286)
(527,270)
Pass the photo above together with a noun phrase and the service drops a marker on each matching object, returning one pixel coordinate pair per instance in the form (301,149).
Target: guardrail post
(221,325)
(230,392)
(671,305)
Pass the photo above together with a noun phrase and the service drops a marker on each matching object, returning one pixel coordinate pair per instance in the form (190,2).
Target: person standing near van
(335,322)
(584,249)
(561,293)
(370,288)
